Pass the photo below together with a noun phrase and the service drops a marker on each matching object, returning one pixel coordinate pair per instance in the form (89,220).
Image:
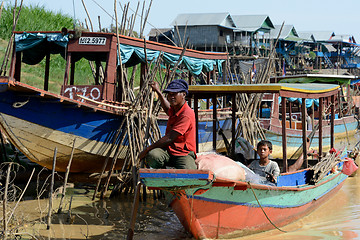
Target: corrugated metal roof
(288,32)
(307,36)
(323,35)
(342,38)
(252,23)
(158,31)
(204,19)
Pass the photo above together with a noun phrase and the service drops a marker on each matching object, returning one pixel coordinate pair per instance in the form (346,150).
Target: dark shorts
(160,158)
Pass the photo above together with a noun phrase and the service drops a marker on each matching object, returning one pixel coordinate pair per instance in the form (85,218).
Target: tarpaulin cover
(308,101)
(35,46)
(131,56)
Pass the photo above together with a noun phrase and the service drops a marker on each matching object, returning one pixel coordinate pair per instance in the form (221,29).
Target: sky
(306,15)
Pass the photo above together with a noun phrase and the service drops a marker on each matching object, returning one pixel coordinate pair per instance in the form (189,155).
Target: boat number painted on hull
(93,93)
(92,41)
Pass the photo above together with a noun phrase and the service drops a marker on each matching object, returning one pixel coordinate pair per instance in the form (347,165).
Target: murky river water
(338,218)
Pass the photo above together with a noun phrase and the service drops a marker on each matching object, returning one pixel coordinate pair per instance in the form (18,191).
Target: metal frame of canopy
(303,91)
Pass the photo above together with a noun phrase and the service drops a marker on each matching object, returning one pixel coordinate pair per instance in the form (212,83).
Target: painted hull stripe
(264,205)
(177,176)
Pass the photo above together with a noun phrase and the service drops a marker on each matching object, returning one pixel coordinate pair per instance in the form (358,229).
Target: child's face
(263,151)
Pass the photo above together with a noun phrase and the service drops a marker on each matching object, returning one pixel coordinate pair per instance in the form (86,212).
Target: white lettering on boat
(91,92)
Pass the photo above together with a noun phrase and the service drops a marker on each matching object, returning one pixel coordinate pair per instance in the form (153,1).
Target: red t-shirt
(182,122)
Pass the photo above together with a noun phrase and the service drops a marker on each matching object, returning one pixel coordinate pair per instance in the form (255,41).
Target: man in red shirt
(178,147)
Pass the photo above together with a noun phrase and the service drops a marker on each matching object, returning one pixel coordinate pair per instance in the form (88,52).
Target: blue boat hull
(36,124)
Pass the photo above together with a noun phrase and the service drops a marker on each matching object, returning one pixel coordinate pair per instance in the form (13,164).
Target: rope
(264,210)
(20,104)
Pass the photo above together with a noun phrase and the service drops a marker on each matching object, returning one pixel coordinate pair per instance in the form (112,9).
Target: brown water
(338,218)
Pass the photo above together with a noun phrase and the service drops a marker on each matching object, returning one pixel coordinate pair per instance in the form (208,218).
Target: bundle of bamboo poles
(323,167)
(139,127)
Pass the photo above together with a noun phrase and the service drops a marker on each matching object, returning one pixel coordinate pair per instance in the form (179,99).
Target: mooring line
(264,210)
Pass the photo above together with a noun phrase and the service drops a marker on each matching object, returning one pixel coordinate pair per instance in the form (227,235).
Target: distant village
(249,39)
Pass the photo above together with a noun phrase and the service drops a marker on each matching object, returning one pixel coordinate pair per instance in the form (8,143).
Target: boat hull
(37,125)
(228,209)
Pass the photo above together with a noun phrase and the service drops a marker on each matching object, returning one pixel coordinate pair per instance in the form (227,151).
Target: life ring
(294,117)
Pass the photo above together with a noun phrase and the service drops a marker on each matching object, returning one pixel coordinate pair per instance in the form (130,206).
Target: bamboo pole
(21,196)
(87,13)
(66,177)
(5,222)
(119,53)
(8,48)
(119,130)
(134,210)
(51,190)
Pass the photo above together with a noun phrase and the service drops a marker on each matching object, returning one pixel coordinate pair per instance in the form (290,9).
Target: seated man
(265,167)
(178,147)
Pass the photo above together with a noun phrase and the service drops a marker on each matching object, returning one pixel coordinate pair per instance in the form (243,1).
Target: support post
(304,128)
(196,110)
(283,124)
(214,122)
(47,72)
(290,113)
(233,127)
(321,108)
(332,121)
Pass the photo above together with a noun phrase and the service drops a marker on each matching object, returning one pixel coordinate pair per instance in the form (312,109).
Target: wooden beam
(47,72)
(67,69)
(16,70)
(321,108)
(283,123)
(304,128)
(233,117)
(214,122)
(196,110)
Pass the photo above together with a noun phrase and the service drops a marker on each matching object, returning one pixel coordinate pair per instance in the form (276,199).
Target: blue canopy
(131,55)
(308,101)
(35,46)
(26,40)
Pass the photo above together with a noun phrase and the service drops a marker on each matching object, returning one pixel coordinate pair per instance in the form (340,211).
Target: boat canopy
(35,46)
(132,55)
(320,78)
(308,102)
(295,90)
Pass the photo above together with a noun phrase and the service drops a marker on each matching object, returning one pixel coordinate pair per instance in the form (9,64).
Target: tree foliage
(33,18)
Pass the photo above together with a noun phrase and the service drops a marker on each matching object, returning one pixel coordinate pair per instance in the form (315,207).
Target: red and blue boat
(212,207)
(86,116)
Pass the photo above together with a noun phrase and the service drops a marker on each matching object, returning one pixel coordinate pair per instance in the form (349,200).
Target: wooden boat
(83,118)
(345,122)
(213,207)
